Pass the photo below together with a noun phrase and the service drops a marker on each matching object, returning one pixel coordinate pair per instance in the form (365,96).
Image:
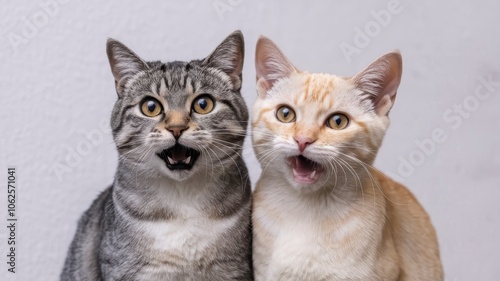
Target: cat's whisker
(353,172)
(332,171)
(140,160)
(343,170)
(235,164)
(215,154)
(206,165)
(276,154)
(228,144)
(356,176)
(365,165)
(265,153)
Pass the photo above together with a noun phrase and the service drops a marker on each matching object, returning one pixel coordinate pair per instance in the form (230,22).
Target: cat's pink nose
(303,142)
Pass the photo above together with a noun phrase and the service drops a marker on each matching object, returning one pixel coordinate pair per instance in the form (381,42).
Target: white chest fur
(315,241)
(181,245)
(302,252)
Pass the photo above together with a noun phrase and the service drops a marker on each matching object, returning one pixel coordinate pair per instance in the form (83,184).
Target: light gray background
(56,87)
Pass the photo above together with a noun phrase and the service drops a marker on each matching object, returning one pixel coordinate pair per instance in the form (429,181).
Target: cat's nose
(303,142)
(177,130)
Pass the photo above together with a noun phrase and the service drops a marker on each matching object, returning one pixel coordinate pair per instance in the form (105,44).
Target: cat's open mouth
(305,170)
(179,157)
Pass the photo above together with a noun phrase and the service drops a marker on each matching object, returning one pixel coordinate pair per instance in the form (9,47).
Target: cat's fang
(170,160)
(179,157)
(313,173)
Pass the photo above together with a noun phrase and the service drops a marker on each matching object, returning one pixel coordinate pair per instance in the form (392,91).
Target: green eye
(285,114)
(203,104)
(151,107)
(337,121)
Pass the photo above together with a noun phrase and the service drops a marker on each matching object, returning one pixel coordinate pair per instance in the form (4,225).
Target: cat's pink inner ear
(263,86)
(124,63)
(380,81)
(228,57)
(270,64)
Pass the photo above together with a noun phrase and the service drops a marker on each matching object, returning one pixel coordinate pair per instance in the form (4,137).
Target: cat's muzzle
(179,157)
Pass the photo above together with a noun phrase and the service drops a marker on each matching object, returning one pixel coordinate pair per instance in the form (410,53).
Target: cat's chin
(305,171)
(179,175)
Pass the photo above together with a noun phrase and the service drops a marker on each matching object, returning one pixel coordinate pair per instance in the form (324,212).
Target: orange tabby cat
(321,211)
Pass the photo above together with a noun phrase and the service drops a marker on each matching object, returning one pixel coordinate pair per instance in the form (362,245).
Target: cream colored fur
(353,223)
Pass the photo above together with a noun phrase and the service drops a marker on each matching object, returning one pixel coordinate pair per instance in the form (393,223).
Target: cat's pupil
(337,120)
(203,103)
(151,106)
(286,112)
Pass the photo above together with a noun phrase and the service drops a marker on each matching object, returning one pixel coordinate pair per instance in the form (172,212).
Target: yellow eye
(151,107)
(337,121)
(203,104)
(285,114)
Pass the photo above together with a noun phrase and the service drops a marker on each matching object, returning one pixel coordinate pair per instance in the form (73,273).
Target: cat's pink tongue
(305,170)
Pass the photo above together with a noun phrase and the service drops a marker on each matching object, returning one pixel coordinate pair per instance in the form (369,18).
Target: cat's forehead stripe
(318,87)
(153,89)
(163,87)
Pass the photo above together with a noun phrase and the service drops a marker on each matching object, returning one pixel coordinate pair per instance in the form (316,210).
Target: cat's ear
(228,57)
(124,63)
(270,65)
(380,81)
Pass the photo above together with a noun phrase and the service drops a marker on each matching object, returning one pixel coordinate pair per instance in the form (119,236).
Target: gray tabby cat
(179,207)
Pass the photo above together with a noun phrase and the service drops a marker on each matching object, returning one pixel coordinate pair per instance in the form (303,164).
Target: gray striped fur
(158,224)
